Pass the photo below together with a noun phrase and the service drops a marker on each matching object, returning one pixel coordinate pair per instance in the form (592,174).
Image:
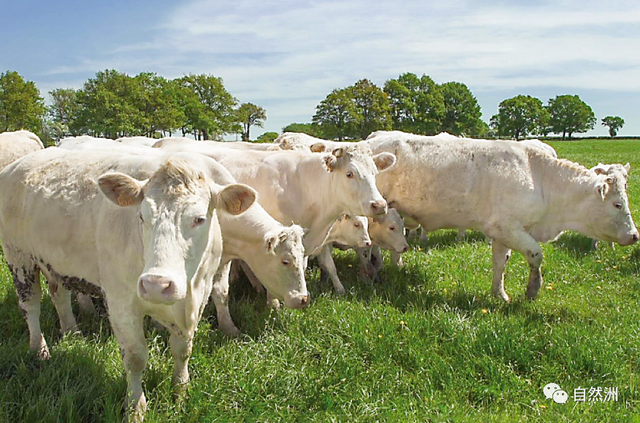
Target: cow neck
(247,231)
(322,211)
(565,187)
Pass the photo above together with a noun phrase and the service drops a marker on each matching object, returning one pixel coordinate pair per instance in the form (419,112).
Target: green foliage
(155,98)
(250,115)
(372,108)
(21,106)
(63,111)
(267,137)
(417,104)
(461,111)
(569,115)
(336,115)
(614,123)
(520,116)
(306,128)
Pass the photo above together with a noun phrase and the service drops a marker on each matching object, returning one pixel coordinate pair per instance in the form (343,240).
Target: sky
(286,56)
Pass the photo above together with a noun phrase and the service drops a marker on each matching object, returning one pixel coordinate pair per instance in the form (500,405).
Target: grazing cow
(347,230)
(540,146)
(387,232)
(235,145)
(311,190)
(607,169)
(14,145)
(514,194)
(151,247)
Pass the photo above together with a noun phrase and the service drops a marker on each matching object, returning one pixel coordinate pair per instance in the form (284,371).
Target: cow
(310,190)
(137,141)
(605,169)
(87,221)
(387,232)
(14,145)
(515,194)
(347,230)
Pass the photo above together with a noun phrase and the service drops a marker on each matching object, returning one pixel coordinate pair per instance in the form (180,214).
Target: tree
(208,107)
(267,137)
(416,104)
(63,111)
(305,128)
(21,106)
(461,111)
(520,116)
(372,108)
(614,123)
(569,114)
(155,98)
(250,115)
(336,114)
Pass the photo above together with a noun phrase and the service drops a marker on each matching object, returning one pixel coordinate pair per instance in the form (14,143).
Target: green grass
(428,344)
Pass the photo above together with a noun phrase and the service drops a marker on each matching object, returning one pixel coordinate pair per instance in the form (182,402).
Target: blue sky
(286,56)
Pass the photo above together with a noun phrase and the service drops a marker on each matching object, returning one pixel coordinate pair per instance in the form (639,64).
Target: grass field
(429,344)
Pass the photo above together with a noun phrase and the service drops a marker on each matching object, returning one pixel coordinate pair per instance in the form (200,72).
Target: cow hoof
(43,354)
(502,295)
(339,291)
(531,295)
(231,331)
(274,304)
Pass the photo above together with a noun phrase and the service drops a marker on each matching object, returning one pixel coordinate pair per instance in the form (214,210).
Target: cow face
(387,231)
(283,273)
(354,171)
(609,214)
(352,231)
(175,210)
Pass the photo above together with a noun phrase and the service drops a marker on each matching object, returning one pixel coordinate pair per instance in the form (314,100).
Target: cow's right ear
(121,189)
(329,161)
(236,198)
(600,169)
(318,147)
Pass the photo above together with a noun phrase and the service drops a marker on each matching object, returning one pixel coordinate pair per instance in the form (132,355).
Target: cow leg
(26,279)
(127,327)
(181,347)
(522,242)
(366,268)
(326,262)
(376,258)
(86,304)
(413,234)
(220,295)
(424,236)
(252,277)
(397,259)
(61,298)
(461,235)
(501,255)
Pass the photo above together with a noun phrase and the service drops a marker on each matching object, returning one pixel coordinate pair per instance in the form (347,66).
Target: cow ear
(338,152)
(600,170)
(329,161)
(121,189)
(318,147)
(609,180)
(627,167)
(602,189)
(236,198)
(384,161)
(270,243)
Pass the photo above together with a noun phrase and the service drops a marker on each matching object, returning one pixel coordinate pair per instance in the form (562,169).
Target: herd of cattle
(154,227)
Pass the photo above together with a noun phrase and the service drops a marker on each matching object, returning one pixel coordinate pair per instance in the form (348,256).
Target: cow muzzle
(629,238)
(159,289)
(297,300)
(378,207)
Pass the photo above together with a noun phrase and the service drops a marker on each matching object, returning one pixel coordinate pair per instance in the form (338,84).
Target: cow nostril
(304,300)
(169,289)
(635,237)
(368,243)
(405,249)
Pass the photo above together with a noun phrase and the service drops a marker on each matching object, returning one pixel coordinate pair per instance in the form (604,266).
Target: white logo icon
(560,396)
(550,389)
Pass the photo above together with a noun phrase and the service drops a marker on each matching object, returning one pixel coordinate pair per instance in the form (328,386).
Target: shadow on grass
(442,239)
(578,245)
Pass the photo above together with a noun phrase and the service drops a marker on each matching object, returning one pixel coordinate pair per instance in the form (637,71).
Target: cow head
(354,171)
(175,210)
(608,214)
(387,231)
(351,230)
(283,273)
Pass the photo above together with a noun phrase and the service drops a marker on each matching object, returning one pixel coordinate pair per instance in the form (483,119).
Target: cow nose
(156,288)
(635,237)
(379,207)
(367,243)
(405,249)
(304,300)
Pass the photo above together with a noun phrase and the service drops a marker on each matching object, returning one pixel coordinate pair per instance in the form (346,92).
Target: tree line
(113,104)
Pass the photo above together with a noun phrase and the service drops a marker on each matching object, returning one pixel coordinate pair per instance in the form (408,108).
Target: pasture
(428,344)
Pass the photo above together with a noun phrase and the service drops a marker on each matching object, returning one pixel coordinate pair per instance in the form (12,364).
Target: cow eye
(618,206)
(392,228)
(198,221)
(357,224)
(286,262)
(349,174)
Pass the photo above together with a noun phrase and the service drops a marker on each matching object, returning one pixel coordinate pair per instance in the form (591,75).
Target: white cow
(514,194)
(14,145)
(610,169)
(138,141)
(347,230)
(311,190)
(151,247)
(387,232)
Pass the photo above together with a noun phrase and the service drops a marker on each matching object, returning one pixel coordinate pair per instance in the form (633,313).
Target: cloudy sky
(286,56)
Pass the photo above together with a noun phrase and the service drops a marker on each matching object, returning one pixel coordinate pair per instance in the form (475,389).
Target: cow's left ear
(318,147)
(602,189)
(627,167)
(271,242)
(600,169)
(121,189)
(384,161)
(236,198)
